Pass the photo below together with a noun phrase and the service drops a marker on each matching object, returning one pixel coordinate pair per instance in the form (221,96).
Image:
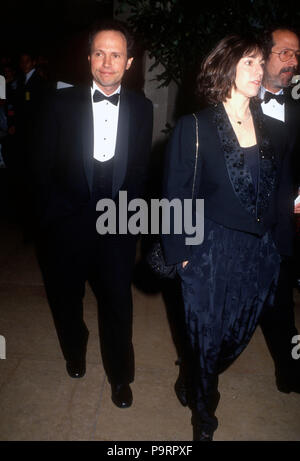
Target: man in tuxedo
(91,143)
(30,91)
(278,324)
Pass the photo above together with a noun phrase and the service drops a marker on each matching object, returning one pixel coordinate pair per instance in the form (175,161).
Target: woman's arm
(178,185)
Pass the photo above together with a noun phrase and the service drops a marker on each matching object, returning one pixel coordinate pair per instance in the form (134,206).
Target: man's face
(9,74)
(108,60)
(279,74)
(26,63)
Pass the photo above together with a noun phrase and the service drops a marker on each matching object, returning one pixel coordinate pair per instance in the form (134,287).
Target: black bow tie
(98,96)
(279,97)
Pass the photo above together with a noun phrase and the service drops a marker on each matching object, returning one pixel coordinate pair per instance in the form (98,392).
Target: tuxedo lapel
(288,108)
(122,141)
(87,130)
(237,169)
(267,161)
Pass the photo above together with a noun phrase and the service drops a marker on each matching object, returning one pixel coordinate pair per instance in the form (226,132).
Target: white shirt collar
(263,90)
(29,74)
(272,108)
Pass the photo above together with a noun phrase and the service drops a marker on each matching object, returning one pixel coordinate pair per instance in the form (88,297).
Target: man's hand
(186,262)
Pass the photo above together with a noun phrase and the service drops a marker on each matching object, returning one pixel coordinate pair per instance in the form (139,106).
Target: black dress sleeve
(178,185)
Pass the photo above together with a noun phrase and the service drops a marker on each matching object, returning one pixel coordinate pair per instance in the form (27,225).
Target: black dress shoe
(121,395)
(76,368)
(181,391)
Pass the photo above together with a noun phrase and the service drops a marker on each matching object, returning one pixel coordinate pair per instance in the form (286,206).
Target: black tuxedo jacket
(223,178)
(63,151)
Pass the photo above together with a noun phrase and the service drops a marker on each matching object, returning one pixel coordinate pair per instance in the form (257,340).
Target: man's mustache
(288,69)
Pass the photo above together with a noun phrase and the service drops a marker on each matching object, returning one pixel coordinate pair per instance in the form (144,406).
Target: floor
(40,402)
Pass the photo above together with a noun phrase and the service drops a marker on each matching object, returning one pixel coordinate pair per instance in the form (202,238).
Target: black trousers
(70,253)
(278,323)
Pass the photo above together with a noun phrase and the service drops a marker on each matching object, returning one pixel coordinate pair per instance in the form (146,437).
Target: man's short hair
(115,25)
(32,53)
(267,36)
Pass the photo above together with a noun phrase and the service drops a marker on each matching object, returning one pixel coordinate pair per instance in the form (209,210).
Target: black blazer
(62,148)
(223,178)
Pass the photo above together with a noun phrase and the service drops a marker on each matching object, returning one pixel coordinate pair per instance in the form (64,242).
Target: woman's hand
(186,262)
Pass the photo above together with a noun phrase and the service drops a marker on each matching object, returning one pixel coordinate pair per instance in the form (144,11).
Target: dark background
(58,30)
(55,29)
(178,38)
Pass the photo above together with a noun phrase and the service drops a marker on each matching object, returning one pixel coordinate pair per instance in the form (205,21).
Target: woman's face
(249,74)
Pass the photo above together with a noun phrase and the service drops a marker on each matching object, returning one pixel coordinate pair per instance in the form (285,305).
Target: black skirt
(228,281)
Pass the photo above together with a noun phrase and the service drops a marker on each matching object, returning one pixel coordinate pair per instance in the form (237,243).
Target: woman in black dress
(240,173)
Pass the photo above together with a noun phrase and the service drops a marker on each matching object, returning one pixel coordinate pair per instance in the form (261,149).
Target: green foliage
(178,33)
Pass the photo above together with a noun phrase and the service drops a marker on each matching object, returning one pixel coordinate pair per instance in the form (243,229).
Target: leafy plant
(178,33)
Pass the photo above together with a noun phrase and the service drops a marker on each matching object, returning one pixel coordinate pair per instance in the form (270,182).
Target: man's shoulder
(68,97)
(71,92)
(137,97)
(293,111)
(60,101)
(276,128)
(35,79)
(274,122)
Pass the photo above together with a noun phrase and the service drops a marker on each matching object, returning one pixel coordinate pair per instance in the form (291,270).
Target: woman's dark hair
(218,70)
(117,26)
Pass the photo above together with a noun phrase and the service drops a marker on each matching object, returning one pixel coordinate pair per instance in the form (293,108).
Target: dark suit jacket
(292,125)
(63,151)
(223,178)
(29,98)
(292,120)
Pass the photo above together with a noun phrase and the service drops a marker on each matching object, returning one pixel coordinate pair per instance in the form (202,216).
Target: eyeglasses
(286,55)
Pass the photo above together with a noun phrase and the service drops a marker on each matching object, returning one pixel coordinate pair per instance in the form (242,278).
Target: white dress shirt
(105,115)
(28,75)
(272,108)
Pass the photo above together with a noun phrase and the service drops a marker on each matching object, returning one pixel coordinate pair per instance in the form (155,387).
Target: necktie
(279,97)
(98,97)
